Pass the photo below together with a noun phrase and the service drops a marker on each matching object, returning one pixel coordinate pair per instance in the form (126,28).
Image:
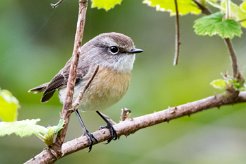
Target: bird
(112,56)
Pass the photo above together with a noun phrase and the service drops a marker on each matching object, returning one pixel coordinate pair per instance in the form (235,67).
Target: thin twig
(236,73)
(66,112)
(204,9)
(132,125)
(177,36)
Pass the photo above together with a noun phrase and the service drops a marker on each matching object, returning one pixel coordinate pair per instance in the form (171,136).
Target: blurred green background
(36,41)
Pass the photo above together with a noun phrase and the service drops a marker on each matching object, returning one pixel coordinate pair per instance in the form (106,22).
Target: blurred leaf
(8,106)
(105,4)
(237,13)
(214,24)
(219,84)
(22,128)
(236,84)
(27,127)
(184,6)
(243,6)
(228,81)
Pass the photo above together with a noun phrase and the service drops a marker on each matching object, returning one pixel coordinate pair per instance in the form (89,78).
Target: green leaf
(21,128)
(219,84)
(236,84)
(27,128)
(237,12)
(9,106)
(184,6)
(243,6)
(215,24)
(228,82)
(51,132)
(105,4)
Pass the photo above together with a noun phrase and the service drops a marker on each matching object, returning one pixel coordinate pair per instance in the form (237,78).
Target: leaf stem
(228,9)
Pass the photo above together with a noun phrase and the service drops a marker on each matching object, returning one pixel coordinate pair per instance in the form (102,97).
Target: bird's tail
(40,88)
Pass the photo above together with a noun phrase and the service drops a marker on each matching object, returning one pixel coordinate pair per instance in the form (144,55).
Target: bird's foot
(112,132)
(91,139)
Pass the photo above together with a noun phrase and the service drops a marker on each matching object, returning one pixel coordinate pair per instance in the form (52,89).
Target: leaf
(184,6)
(219,84)
(237,12)
(105,4)
(27,128)
(51,132)
(214,24)
(22,128)
(9,106)
(236,84)
(228,82)
(243,6)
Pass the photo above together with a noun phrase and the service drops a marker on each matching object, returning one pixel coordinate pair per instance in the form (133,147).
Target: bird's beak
(135,50)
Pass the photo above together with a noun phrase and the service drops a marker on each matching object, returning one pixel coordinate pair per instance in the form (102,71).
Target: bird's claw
(112,132)
(91,139)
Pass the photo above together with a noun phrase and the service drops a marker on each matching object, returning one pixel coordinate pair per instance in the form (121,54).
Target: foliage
(184,6)
(25,128)
(8,112)
(9,106)
(215,24)
(227,82)
(105,4)
(238,13)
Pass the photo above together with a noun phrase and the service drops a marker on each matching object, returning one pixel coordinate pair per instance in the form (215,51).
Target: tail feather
(47,95)
(38,89)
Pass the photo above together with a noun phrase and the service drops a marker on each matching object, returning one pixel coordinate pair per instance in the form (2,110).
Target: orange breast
(107,88)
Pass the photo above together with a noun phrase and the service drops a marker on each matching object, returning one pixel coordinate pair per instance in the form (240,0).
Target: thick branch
(132,125)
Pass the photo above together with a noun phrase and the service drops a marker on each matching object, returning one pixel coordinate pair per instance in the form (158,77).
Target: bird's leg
(90,137)
(109,125)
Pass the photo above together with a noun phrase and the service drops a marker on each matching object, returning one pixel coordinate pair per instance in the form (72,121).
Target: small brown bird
(114,54)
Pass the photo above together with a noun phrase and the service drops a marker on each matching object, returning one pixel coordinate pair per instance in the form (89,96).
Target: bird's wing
(57,82)
(60,80)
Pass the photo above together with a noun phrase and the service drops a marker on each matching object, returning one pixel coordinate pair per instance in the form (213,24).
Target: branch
(55,149)
(130,126)
(236,73)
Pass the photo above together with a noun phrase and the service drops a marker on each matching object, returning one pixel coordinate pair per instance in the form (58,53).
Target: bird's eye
(114,50)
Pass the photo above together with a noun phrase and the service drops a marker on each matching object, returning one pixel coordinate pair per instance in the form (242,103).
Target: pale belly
(107,88)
